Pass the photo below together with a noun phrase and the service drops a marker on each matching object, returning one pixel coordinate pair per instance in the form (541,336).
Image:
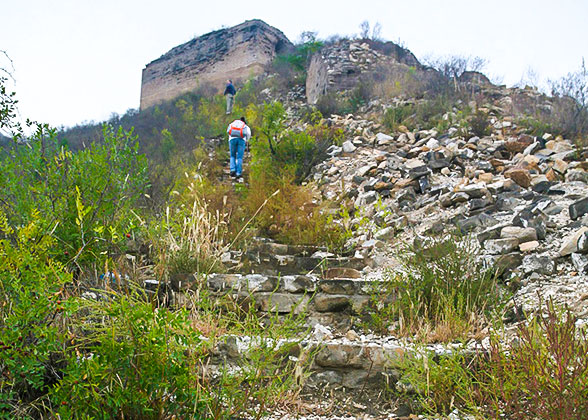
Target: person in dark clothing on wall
(230,92)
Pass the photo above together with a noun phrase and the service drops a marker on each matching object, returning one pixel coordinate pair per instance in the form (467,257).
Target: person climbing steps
(239,134)
(230,92)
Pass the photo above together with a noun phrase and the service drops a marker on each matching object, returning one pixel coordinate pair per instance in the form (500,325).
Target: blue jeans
(236,150)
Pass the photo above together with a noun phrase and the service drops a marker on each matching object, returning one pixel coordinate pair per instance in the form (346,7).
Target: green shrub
(544,374)
(537,126)
(541,373)
(480,125)
(293,214)
(442,382)
(281,159)
(291,66)
(361,95)
(441,293)
(135,360)
(136,363)
(33,301)
(8,109)
(398,115)
(86,197)
(279,151)
(332,103)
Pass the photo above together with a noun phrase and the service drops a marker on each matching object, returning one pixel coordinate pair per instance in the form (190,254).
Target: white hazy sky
(81,60)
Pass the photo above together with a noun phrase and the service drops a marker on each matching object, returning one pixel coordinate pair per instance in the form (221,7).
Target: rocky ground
(524,199)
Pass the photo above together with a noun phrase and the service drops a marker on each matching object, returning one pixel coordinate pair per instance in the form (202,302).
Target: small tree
(272,123)
(8,108)
(364,32)
(453,66)
(364,28)
(573,115)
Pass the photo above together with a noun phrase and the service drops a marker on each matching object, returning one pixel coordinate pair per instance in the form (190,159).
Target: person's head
(243,119)
(229,81)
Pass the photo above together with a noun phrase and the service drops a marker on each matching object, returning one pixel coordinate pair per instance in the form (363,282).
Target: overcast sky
(81,60)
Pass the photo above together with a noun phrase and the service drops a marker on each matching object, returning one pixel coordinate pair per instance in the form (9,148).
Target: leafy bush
(291,66)
(33,301)
(135,360)
(138,363)
(537,126)
(570,113)
(288,151)
(442,293)
(398,115)
(441,382)
(424,114)
(479,124)
(361,95)
(282,159)
(119,354)
(293,214)
(324,134)
(545,374)
(540,374)
(7,109)
(86,197)
(332,103)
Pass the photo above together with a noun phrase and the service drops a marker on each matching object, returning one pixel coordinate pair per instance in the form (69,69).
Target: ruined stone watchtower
(232,53)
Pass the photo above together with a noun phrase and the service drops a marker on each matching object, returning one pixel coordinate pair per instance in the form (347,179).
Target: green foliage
(541,373)
(7,107)
(190,240)
(444,292)
(441,382)
(425,114)
(168,144)
(361,95)
(33,301)
(85,197)
(273,117)
(288,151)
(398,115)
(479,124)
(332,103)
(293,215)
(139,362)
(545,374)
(120,354)
(537,126)
(291,66)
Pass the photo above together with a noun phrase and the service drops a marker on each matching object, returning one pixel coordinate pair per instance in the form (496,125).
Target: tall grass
(441,292)
(196,242)
(541,373)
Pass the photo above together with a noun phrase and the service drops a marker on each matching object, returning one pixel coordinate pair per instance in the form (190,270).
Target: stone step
(267,246)
(291,284)
(288,264)
(352,363)
(332,301)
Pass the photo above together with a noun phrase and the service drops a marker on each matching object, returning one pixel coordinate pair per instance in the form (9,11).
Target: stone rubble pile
(524,198)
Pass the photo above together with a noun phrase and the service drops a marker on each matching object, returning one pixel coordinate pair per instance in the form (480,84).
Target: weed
(479,124)
(541,374)
(442,292)
(545,374)
(442,382)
